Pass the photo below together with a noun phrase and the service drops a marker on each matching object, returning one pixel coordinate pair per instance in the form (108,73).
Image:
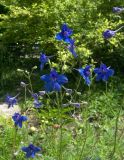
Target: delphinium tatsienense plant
(61,97)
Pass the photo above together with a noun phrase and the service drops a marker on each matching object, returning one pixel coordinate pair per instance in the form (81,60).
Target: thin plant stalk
(116,133)
(84,143)
(60,121)
(14,141)
(25,94)
(106,86)
(86,132)
(30,83)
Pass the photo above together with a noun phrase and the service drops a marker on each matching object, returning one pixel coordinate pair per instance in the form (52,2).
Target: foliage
(31,26)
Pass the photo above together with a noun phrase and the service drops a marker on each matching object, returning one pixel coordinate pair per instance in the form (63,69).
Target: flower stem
(116,133)
(119,29)
(106,86)
(85,140)
(60,122)
(29,78)
(25,94)
(14,142)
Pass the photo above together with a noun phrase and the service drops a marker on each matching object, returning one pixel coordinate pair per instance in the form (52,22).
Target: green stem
(106,86)
(60,122)
(25,94)
(29,78)
(84,144)
(116,133)
(14,142)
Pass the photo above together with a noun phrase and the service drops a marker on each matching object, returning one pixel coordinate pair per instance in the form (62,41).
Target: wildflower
(77,105)
(110,33)
(118,9)
(103,73)
(31,150)
(18,119)
(85,73)
(36,102)
(43,59)
(71,48)
(53,81)
(64,34)
(11,101)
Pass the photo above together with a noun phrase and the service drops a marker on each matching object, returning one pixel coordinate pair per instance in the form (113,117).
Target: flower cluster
(54,81)
(36,102)
(65,36)
(102,73)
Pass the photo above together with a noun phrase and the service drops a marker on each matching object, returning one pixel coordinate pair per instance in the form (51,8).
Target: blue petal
(37,149)
(103,66)
(33,154)
(25,149)
(41,66)
(29,154)
(87,67)
(87,80)
(59,36)
(57,87)
(81,71)
(67,39)
(96,70)
(64,27)
(37,104)
(49,87)
(62,79)
(45,78)
(98,77)
(111,72)
(24,118)
(20,123)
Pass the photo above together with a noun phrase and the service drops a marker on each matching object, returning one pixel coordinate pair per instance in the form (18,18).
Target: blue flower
(53,81)
(85,73)
(44,59)
(36,102)
(18,119)
(11,101)
(64,34)
(117,9)
(103,73)
(31,150)
(71,48)
(110,33)
(77,105)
